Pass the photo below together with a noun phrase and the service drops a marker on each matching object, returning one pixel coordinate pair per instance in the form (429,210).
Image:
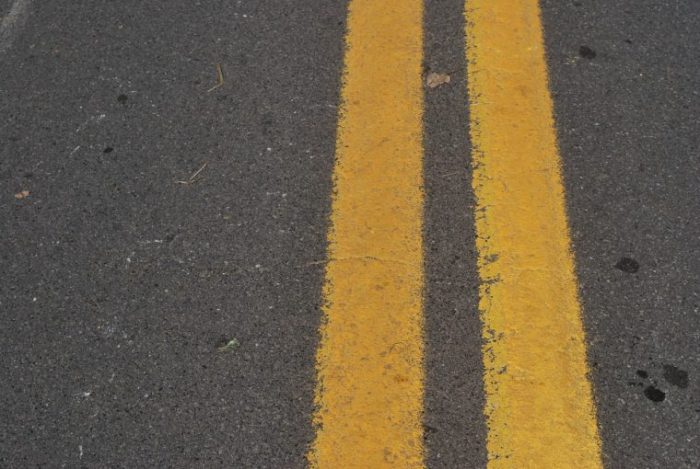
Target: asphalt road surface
(166,185)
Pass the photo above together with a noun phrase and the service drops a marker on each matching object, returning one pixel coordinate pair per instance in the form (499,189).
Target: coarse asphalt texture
(149,318)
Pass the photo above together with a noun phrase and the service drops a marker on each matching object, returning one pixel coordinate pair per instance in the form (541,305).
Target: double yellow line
(369,394)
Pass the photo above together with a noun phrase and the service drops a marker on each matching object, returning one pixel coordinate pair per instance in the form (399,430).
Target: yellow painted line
(370,359)
(539,403)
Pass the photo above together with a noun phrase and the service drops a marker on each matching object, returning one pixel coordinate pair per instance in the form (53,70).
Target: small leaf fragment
(433,80)
(229,346)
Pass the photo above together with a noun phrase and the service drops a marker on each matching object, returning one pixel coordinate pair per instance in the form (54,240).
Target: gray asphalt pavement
(149,318)
(629,132)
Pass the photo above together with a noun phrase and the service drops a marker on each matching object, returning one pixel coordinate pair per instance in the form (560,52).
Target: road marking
(11,23)
(369,392)
(539,403)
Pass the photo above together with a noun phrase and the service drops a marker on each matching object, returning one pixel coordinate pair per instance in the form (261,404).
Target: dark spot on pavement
(654,394)
(676,376)
(122,98)
(267,123)
(628,41)
(108,150)
(429,429)
(627,264)
(642,374)
(586,52)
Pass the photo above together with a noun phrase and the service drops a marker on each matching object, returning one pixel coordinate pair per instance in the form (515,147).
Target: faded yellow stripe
(370,360)
(539,405)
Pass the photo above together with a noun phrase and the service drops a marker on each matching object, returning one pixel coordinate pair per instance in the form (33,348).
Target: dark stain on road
(429,429)
(108,150)
(628,265)
(676,376)
(642,374)
(122,98)
(654,394)
(586,52)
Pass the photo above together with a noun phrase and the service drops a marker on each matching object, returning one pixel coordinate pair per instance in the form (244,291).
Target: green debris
(229,346)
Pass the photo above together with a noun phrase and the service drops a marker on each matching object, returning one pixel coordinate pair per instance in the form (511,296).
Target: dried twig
(194,175)
(219,78)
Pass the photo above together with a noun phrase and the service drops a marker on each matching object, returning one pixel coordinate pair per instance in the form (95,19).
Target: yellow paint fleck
(370,360)
(539,403)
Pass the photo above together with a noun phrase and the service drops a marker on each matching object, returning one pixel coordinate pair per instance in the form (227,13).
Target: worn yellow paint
(370,359)
(539,404)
